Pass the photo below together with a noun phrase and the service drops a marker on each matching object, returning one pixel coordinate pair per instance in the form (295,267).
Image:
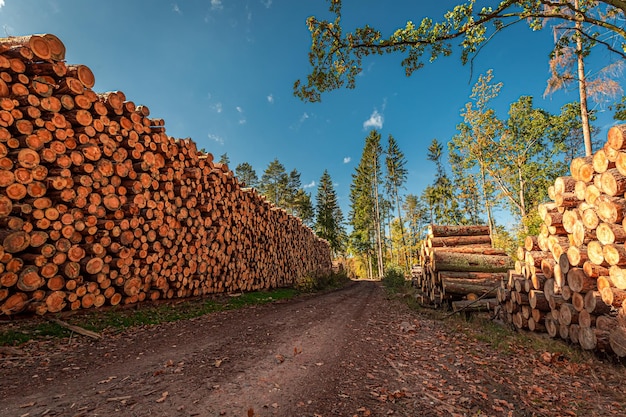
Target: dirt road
(351,352)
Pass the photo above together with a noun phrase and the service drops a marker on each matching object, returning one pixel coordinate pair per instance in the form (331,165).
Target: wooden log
(608,233)
(594,303)
(617,340)
(578,281)
(485,304)
(452,241)
(613,296)
(613,182)
(610,209)
(447,230)
(614,254)
(451,261)
(537,300)
(616,137)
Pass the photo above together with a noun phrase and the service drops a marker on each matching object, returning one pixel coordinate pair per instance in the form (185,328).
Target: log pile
(459,263)
(99,206)
(570,280)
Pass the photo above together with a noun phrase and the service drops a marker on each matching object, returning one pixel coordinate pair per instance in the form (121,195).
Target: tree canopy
(336,56)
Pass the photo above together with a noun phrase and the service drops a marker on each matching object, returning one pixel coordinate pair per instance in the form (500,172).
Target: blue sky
(221,72)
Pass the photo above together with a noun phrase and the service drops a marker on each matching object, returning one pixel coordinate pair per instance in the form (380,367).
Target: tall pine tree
(328,215)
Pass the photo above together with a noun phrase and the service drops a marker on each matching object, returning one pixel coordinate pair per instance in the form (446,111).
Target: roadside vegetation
(119,318)
(483,327)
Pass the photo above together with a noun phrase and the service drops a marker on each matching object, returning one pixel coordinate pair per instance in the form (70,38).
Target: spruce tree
(328,215)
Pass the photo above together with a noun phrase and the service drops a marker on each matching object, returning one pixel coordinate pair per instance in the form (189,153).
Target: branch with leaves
(336,58)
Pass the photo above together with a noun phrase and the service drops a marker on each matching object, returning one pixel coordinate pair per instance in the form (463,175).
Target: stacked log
(578,261)
(99,206)
(459,263)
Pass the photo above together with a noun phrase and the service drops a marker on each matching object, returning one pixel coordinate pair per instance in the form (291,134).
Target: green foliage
(515,160)
(336,57)
(224,159)
(365,202)
(118,319)
(246,174)
(328,216)
(620,109)
(275,182)
(394,279)
(305,284)
(440,196)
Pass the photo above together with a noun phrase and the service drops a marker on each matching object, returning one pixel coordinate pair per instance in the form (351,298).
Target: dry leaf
(163,397)
(218,363)
(250,412)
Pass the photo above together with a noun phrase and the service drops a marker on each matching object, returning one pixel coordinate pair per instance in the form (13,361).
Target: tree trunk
(582,88)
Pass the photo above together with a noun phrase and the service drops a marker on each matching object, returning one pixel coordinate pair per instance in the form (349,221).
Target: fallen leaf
(218,363)
(250,412)
(163,397)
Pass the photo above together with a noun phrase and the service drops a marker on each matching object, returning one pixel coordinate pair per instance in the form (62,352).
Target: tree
(569,124)
(396,177)
(246,174)
(567,64)
(303,207)
(620,109)
(336,57)
(365,215)
(471,147)
(525,163)
(328,216)
(417,218)
(274,182)
(440,196)
(224,159)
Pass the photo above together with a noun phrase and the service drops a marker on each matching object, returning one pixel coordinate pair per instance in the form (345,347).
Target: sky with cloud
(221,72)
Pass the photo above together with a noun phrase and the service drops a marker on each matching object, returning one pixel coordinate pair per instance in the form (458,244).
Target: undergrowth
(481,327)
(117,319)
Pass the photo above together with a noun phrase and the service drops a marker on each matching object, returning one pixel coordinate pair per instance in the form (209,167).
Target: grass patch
(510,341)
(117,319)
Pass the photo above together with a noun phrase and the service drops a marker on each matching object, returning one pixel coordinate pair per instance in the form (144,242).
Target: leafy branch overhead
(336,57)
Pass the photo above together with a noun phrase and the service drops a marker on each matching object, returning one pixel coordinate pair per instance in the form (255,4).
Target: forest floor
(350,352)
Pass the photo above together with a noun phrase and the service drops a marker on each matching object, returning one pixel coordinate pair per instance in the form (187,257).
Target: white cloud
(270,99)
(304,116)
(174,7)
(267,3)
(242,118)
(375,121)
(310,185)
(2,3)
(216,5)
(217,107)
(347,159)
(216,138)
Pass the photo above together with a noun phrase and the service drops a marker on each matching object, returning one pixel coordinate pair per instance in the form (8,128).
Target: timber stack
(99,206)
(570,280)
(460,265)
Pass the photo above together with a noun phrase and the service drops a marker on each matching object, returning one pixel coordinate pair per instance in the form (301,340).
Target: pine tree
(328,215)
(246,174)
(224,159)
(365,214)
(303,207)
(396,177)
(274,182)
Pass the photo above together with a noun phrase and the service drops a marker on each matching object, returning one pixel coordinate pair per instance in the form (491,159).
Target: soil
(351,352)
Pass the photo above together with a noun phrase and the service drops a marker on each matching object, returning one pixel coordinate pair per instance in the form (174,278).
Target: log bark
(451,261)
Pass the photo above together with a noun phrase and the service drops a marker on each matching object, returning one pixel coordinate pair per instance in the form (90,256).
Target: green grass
(117,319)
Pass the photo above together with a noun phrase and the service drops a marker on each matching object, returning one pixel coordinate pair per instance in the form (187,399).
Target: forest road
(350,352)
